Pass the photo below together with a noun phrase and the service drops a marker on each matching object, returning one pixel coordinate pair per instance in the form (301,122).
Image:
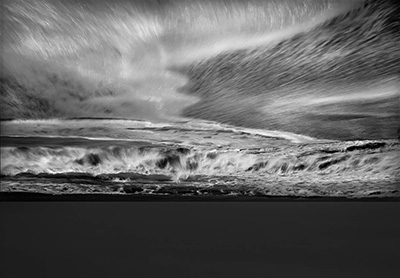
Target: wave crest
(182,163)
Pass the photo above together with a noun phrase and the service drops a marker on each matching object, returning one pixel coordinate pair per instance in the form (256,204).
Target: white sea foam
(181,163)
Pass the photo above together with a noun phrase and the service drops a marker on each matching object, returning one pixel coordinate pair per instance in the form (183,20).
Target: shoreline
(34,197)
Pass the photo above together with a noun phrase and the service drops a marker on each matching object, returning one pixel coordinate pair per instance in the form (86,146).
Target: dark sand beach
(250,239)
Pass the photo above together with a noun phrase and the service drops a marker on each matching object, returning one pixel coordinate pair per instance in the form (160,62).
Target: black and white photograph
(200,138)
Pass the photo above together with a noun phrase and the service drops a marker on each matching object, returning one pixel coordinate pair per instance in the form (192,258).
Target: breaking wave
(180,163)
